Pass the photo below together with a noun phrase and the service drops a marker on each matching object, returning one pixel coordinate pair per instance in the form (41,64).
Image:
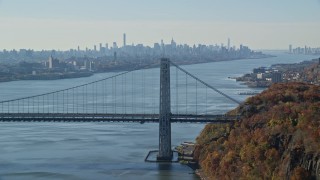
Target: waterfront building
(259,70)
(260,76)
(53,62)
(276,77)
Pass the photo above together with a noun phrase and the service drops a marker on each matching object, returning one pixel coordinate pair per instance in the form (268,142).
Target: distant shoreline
(71,75)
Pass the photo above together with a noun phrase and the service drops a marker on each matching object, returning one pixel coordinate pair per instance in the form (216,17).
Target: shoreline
(201,174)
(264,77)
(59,76)
(186,157)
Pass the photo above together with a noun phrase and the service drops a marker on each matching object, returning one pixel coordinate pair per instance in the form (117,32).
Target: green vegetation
(277,138)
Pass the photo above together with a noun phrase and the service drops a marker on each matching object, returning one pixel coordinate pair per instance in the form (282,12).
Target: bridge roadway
(140,118)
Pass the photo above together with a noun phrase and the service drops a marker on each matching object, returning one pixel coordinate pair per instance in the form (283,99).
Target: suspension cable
(177,94)
(196,97)
(186,94)
(209,86)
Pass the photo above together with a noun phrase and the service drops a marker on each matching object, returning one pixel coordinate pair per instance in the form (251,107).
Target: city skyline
(97,46)
(63,25)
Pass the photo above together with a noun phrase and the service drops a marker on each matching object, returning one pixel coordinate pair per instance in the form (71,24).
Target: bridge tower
(165,152)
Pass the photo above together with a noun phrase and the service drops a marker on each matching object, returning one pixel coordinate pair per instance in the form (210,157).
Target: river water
(109,150)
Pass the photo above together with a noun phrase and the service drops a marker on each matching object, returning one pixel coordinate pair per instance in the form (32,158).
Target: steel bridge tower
(165,152)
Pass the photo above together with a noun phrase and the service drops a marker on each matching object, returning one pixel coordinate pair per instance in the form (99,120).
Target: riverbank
(262,77)
(46,76)
(186,157)
(115,68)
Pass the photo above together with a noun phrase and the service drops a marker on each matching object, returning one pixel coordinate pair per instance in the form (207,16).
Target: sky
(66,24)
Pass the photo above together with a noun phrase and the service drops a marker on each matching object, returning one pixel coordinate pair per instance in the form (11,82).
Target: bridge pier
(165,152)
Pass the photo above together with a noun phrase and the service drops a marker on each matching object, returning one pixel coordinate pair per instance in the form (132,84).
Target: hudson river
(109,150)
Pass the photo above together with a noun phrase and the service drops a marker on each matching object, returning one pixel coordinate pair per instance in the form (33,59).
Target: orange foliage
(282,117)
(300,173)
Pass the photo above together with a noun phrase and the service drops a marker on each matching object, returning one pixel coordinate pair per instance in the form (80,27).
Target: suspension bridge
(124,97)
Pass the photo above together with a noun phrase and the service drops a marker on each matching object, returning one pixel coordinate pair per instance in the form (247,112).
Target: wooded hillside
(277,138)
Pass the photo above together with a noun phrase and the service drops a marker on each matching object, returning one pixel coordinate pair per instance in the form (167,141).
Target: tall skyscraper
(124,40)
(305,50)
(100,48)
(290,48)
(228,43)
(173,44)
(95,47)
(115,57)
(162,48)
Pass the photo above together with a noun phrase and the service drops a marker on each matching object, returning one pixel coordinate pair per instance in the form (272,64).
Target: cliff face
(307,163)
(277,138)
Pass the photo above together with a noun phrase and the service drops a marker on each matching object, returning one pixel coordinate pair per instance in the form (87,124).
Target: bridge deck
(140,118)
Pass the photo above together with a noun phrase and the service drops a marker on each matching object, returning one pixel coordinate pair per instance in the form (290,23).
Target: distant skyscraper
(115,57)
(290,48)
(173,44)
(162,48)
(305,50)
(115,45)
(229,44)
(107,47)
(100,48)
(124,40)
(156,47)
(95,47)
(78,48)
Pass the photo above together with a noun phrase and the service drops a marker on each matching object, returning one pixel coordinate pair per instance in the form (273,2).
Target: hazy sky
(65,24)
